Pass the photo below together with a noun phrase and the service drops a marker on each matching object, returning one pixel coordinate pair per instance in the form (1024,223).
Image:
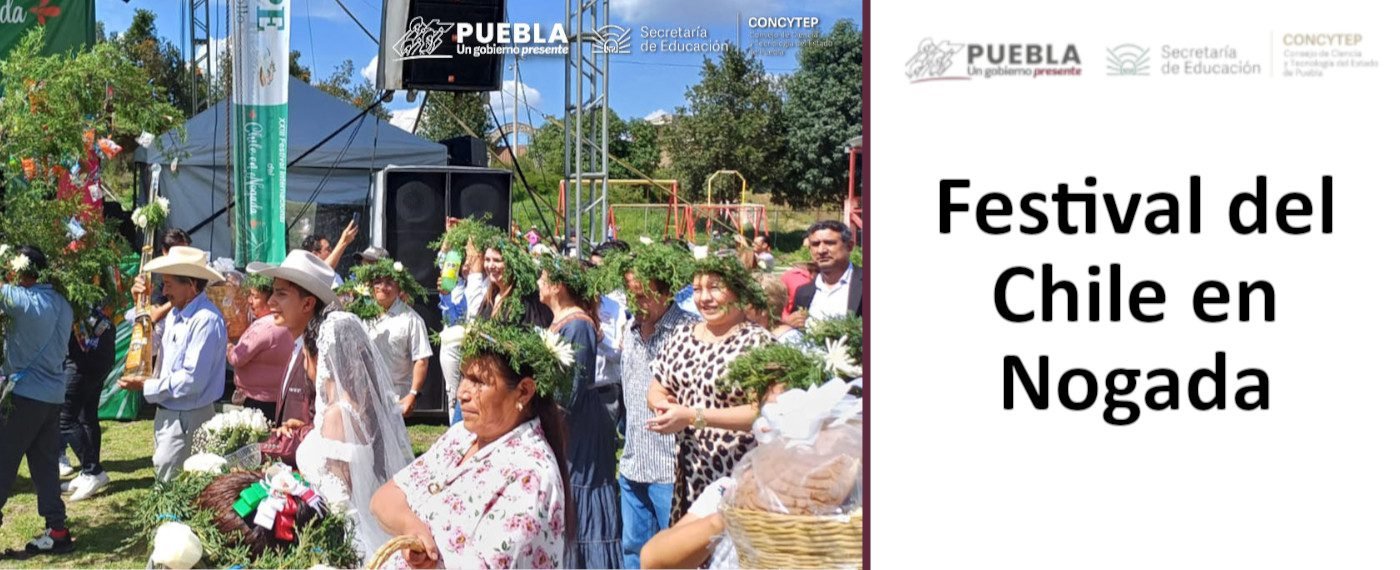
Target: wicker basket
(395,544)
(248,457)
(776,540)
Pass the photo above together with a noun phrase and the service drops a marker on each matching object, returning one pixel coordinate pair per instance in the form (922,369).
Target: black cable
(528,190)
(209,52)
(378,101)
(373,156)
(357,22)
(311,37)
(321,186)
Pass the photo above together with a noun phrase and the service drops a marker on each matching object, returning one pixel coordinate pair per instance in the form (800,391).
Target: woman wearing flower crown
(490,493)
(510,293)
(571,297)
(711,422)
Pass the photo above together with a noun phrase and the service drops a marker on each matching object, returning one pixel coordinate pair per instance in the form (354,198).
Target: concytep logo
(936,60)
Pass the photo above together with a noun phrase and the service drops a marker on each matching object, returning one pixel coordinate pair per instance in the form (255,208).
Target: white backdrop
(959,482)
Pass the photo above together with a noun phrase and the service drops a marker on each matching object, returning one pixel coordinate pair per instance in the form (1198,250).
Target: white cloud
(404,118)
(503,101)
(691,12)
(370,71)
(329,11)
(657,115)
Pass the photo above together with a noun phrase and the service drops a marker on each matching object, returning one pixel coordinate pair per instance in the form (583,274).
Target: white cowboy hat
(185,261)
(304,269)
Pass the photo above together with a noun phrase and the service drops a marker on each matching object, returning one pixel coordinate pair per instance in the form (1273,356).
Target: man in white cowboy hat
(191,375)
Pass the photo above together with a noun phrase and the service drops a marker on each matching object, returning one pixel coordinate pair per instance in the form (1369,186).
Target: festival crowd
(591,426)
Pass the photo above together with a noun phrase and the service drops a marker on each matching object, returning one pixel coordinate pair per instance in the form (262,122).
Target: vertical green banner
(68,24)
(260,129)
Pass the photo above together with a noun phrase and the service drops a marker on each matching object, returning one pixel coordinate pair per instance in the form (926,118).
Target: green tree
(733,120)
(644,146)
(547,146)
(295,68)
(822,112)
(159,60)
(444,115)
(341,83)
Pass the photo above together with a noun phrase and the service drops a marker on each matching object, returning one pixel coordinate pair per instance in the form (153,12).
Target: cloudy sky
(641,83)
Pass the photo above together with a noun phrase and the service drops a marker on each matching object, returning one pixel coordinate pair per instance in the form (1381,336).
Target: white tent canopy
(342,168)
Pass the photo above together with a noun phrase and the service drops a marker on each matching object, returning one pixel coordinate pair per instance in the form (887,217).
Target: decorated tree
(61,119)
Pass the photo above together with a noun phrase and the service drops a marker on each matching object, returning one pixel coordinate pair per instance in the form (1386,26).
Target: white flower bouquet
(152,215)
(228,432)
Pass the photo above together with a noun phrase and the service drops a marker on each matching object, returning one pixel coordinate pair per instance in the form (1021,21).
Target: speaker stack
(411,205)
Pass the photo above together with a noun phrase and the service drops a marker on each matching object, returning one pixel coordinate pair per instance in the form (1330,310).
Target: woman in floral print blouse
(489,493)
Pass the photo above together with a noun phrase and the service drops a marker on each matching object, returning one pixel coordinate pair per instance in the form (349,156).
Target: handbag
(282,447)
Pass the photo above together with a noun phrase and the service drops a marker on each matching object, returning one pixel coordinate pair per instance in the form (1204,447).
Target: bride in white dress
(358,441)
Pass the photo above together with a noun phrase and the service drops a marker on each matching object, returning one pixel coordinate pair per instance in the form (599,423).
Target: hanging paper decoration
(75,229)
(109,148)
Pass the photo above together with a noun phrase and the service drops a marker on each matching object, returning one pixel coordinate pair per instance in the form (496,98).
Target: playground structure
(682,218)
(676,214)
(735,215)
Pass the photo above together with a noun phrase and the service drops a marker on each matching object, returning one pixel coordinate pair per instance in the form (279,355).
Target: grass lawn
(101,523)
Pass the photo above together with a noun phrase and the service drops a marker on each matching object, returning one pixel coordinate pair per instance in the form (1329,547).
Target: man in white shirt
(763,253)
(613,320)
(319,246)
(402,339)
(837,288)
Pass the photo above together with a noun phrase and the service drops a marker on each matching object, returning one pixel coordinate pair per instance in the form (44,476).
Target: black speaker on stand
(420,48)
(410,207)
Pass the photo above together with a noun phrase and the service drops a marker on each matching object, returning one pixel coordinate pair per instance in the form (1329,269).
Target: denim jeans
(646,510)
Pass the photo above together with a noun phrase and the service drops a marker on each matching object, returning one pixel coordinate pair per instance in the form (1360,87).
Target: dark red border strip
(866,141)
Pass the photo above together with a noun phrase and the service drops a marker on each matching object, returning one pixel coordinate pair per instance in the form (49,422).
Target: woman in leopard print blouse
(712,424)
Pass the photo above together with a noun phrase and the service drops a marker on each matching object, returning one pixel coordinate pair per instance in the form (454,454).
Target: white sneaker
(71,484)
(87,485)
(64,467)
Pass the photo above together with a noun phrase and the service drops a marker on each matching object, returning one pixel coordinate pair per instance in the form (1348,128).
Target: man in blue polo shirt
(35,345)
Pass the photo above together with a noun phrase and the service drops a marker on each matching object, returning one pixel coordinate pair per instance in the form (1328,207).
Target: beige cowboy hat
(185,261)
(304,269)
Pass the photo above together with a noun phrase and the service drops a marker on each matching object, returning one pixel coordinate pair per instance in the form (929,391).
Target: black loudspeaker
(413,203)
(465,151)
(457,72)
(481,193)
(416,200)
